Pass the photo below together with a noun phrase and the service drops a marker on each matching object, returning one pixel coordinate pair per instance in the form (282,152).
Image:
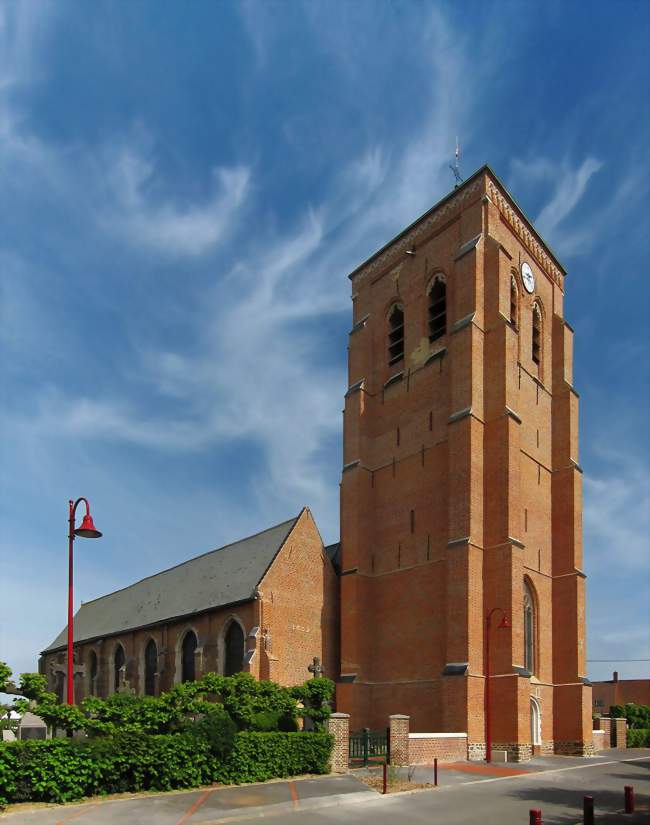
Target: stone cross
(316,668)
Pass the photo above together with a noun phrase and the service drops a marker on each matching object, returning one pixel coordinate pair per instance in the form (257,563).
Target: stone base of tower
(572,714)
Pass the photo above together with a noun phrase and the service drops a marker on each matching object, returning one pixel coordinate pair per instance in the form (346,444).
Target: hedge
(638,737)
(62,770)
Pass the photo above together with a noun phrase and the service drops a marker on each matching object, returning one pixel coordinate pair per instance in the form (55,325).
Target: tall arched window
(537,334)
(92,673)
(188,666)
(59,687)
(118,663)
(234,649)
(395,334)
(514,301)
(150,667)
(437,308)
(529,629)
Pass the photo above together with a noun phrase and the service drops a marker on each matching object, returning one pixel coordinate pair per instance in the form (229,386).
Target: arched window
(92,673)
(234,649)
(537,334)
(514,302)
(118,663)
(150,668)
(437,308)
(188,666)
(59,687)
(530,627)
(395,335)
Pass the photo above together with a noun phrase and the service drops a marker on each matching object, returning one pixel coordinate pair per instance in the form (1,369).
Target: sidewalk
(220,804)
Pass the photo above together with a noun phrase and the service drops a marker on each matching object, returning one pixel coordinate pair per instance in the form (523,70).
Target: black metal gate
(367,746)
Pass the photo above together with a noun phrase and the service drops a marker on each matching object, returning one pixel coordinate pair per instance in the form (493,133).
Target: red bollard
(629,799)
(385,778)
(588,810)
(435,771)
(535,817)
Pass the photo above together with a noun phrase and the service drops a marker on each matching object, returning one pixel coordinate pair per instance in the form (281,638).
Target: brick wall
(599,740)
(447,747)
(339,726)
(460,482)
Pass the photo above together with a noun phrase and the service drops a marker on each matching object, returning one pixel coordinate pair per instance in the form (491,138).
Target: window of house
(514,296)
(437,309)
(529,629)
(395,335)
(150,667)
(118,663)
(537,334)
(188,666)
(234,649)
(92,673)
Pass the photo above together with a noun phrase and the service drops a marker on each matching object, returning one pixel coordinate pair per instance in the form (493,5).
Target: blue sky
(183,190)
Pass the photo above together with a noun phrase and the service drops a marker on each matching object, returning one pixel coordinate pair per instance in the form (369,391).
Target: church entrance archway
(234,649)
(535,722)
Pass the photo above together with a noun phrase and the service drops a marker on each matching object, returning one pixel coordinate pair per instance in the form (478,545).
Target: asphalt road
(555,785)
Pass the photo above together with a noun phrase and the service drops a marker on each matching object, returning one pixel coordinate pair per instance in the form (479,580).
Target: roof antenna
(455,167)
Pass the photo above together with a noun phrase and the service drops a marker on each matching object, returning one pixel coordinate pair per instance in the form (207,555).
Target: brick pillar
(338,725)
(399,739)
(605,724)
(619,733)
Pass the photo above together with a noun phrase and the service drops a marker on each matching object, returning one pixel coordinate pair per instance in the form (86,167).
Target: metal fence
(369,746)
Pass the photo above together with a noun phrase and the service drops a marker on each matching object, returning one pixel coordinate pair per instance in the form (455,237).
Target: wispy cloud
(161,225)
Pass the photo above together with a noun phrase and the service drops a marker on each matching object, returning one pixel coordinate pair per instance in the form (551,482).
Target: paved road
(556,785)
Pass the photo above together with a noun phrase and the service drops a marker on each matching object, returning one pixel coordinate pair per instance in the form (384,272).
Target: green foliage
(638,716)
(61,770)
(216,729)
(316,696)
(257,756)
(638,738)
(5,676)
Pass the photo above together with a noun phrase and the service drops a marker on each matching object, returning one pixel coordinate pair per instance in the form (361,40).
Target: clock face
(527,277)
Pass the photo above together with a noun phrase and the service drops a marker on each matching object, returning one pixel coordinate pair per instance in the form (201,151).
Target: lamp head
(88,529)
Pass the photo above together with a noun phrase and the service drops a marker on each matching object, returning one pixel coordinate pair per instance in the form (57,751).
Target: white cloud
(617,515)
(162,225)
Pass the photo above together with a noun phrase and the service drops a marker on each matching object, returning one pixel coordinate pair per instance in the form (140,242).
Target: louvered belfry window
(437,309)
(537,335)
(395,335)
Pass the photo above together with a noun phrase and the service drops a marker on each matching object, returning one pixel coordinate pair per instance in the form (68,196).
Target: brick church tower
(461,488)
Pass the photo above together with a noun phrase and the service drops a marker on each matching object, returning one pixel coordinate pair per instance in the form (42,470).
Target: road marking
(76,815)
(294,794)
(195,807)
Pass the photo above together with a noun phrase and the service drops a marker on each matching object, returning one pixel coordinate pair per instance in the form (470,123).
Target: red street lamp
(504,623)
(86,531)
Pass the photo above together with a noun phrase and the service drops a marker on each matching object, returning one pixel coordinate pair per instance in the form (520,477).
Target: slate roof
(227,575)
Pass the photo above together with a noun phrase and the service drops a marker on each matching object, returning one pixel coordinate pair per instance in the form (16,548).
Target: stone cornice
(421,227)
(520,228)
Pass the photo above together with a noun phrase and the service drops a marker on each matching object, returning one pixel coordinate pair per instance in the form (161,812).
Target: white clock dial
(527,277)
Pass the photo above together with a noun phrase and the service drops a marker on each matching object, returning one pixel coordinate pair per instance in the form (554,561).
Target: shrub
(217,729)
(638,738)
(257,757)
(61,770)
(638,716)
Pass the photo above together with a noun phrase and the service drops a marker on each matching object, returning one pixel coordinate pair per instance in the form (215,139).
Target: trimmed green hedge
(62,770)
(638,737)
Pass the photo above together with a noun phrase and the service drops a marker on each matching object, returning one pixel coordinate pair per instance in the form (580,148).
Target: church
(460,560)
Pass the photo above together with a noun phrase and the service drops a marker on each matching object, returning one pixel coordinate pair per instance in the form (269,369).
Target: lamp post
(86,531)
(504,623)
